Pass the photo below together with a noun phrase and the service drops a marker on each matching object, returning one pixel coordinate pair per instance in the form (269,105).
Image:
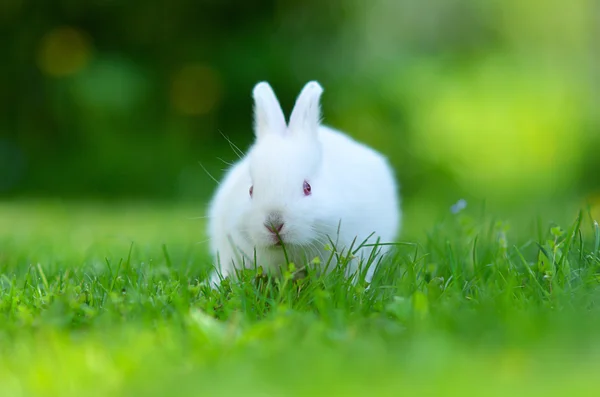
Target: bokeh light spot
(195,89)
(63,51)
(111,83)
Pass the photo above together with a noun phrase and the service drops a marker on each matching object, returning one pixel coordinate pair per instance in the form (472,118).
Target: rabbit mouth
(276,242)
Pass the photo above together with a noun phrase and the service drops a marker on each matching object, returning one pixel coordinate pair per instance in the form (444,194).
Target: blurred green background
(493,101)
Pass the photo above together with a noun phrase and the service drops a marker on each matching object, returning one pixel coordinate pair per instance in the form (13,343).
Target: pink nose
(274,227)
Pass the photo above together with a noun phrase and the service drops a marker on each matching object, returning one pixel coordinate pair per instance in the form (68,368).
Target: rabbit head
(285,166)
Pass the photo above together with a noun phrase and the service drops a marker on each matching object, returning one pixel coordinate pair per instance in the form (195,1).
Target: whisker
(232,145)
(225,161)
(197,217)
(208,173)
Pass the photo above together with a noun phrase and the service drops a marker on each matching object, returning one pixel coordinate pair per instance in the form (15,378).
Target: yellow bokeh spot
(195,89)
(63,51)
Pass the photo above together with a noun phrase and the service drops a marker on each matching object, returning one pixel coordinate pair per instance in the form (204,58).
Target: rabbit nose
(274,227)
(274,222)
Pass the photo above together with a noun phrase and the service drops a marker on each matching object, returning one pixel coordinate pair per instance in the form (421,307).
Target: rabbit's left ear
(268,116)
(306,114)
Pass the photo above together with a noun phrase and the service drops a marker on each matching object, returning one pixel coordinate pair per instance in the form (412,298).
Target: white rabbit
(300,185)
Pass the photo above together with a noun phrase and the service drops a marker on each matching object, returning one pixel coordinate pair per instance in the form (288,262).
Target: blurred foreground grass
(100,300)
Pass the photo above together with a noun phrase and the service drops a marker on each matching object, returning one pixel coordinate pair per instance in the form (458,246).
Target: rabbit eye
(307,189)
(250,190)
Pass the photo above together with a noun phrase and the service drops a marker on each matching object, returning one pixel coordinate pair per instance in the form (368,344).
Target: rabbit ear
(268,116)
(306,114)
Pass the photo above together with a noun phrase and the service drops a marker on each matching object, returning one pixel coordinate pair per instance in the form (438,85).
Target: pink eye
(307,189)
(250,191)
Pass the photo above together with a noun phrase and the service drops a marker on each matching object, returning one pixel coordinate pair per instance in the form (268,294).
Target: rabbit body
(300,187)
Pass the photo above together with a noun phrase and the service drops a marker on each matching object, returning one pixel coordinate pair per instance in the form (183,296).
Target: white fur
(353,188)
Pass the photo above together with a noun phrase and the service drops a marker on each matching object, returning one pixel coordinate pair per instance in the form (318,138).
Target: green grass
(99,300)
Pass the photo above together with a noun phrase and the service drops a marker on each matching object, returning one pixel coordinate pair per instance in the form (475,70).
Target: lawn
(101,300)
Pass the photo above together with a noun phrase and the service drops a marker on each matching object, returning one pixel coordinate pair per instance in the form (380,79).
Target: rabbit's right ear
(268,116)
(306,114)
